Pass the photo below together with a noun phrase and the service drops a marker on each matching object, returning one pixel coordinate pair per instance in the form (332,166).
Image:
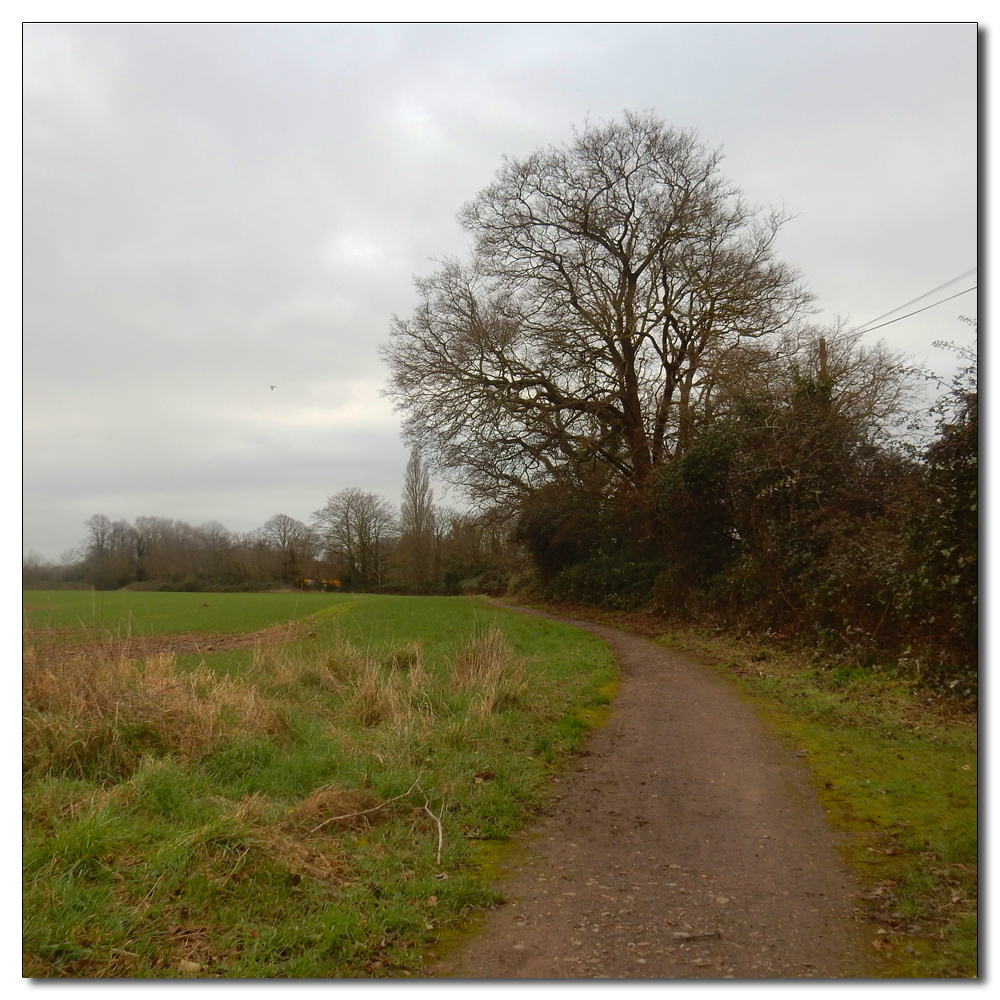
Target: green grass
(151,855)
(188,840)
(122,613)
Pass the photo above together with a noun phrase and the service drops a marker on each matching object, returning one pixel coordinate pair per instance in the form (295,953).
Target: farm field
(316,789)
(92,614)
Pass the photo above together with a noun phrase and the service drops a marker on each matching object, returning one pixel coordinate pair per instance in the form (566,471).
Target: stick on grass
(426,808)
(363,812)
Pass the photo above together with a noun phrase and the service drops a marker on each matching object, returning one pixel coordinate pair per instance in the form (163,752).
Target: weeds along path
(686,843)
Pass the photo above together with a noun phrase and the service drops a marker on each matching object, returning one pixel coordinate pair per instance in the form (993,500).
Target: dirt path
(686,843)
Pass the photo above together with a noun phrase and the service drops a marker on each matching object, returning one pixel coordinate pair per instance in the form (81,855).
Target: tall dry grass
(371,690)
(400,692)
(487,666)
(95,716)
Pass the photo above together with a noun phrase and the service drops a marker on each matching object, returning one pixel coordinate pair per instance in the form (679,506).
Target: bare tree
(70,557)
(158,550)
(611,281)
(292,541)
(250,556)
(98,542)
(417,517)
(111,551)
(354,526)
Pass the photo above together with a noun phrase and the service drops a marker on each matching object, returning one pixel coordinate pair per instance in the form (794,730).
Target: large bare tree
(612,283)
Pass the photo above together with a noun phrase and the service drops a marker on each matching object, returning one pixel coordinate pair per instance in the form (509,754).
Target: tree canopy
(616,285)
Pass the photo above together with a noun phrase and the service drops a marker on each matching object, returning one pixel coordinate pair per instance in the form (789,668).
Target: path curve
(685,842)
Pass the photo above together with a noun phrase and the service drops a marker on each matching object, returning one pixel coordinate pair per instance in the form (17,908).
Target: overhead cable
(915,311)
(964,274)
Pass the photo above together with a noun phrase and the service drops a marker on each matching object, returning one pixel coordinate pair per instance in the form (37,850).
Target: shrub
(608,581)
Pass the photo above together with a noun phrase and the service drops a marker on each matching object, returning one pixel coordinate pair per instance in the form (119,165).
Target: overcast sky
(211,210)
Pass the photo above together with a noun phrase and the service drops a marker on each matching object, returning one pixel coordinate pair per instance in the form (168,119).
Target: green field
(119,613)
(278,810)
(176,805)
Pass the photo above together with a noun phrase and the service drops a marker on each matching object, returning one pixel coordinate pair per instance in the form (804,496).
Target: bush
(608,581)
(939,587)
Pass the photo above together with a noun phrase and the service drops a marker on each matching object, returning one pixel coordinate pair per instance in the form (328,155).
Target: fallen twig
(426,808)
(363,812)
(415,787)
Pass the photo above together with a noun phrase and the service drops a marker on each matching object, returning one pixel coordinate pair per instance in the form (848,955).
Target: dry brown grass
(327,802)
(275,668)
(87,712)
(93,715)
(286,840)
(339,667)
(379,695)
(395,692)
(315,857)
(401,693)
(487,665)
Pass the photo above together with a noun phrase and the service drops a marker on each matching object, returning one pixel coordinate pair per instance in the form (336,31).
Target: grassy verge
(896,768)
(318,808)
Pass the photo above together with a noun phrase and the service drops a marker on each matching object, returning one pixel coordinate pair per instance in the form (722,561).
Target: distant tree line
(356,541)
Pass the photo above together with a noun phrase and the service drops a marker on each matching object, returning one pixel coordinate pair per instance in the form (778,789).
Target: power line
(915,311)
(964,274)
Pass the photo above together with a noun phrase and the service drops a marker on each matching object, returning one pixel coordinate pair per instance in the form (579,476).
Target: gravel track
(686,842)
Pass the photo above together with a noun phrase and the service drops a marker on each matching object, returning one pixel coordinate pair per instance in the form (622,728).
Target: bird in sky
(273,387)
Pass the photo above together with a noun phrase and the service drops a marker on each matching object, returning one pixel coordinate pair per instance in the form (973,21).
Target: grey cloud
(212,209)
